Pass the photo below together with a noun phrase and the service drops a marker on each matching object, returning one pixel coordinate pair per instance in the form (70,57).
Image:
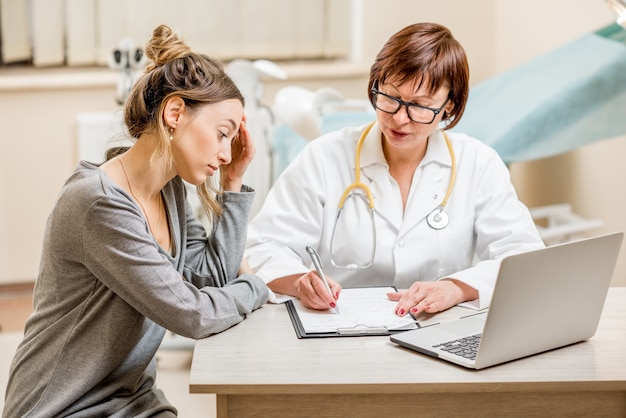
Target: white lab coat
(487,220)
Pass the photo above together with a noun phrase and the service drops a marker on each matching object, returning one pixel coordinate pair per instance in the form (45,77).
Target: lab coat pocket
(456,246)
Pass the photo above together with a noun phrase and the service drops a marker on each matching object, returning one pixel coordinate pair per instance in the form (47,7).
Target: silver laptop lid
(548,298)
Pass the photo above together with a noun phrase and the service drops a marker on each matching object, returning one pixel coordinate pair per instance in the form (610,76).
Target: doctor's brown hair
(425,53)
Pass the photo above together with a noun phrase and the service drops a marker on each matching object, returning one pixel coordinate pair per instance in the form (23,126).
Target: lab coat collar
(372,151)
(437,150)
(376,175)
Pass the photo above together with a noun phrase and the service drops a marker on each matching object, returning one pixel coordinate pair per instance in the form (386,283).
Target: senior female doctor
(444,209)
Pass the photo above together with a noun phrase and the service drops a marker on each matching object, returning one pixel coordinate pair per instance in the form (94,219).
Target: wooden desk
(259,368)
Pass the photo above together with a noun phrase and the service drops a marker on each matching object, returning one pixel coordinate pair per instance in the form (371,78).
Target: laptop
(542,300)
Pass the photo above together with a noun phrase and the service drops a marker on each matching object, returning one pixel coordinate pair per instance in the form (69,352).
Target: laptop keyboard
(464,347)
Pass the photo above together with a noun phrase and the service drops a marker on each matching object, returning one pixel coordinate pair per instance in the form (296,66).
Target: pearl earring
(171,131)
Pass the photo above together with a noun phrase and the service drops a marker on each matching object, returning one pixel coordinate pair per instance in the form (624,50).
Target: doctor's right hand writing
(309,288)
(313,292)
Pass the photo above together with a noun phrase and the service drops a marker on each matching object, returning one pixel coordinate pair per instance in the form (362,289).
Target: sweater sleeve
(214,260)
(118,250)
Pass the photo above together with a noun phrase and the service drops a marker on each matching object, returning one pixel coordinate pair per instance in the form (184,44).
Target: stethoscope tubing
(437,219)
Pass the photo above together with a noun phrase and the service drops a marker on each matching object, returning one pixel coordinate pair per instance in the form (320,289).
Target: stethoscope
(436,219)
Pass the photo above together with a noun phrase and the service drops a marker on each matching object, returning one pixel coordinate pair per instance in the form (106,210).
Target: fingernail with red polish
(401,312)
(332,304)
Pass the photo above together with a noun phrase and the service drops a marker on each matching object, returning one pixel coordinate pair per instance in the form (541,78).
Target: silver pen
(318,267)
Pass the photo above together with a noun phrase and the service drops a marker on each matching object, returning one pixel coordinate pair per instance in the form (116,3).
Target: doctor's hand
(312,292)
(431,297)
(242,153)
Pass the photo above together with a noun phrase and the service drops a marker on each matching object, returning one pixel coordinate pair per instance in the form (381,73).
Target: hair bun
(164,46)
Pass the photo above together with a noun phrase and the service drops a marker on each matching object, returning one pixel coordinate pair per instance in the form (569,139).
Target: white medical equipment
(302,109)
(248,76)
(619,8)
(436,219)
(129,60)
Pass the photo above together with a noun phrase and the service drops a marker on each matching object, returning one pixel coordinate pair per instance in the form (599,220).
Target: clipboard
(363,311)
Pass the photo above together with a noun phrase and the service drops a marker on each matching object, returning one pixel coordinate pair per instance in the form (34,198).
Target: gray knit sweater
(106,293)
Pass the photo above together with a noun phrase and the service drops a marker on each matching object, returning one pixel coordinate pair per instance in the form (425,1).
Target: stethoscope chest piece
(437,219)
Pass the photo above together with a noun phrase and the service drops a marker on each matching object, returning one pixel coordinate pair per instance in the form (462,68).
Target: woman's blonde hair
(176,71)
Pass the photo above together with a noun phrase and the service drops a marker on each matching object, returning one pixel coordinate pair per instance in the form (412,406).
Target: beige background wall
(38,112)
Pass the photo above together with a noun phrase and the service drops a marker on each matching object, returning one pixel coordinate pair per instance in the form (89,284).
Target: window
(84,32)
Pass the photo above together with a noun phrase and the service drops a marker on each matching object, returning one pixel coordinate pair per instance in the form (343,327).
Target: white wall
(38,140)
(473,23)
(38,153)
(529,28)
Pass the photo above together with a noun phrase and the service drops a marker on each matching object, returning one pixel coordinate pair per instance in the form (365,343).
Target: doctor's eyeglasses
(417,113)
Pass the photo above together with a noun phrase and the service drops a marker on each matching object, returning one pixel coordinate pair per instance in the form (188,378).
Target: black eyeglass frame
(401,103)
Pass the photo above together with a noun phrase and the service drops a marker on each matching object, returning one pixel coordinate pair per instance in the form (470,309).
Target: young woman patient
(124,258)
